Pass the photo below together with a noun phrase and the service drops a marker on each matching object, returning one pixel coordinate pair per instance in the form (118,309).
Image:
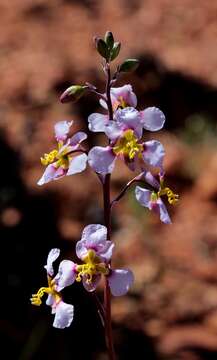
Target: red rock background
(171,312)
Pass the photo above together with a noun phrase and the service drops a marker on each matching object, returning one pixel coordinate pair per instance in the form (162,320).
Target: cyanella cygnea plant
(123,125)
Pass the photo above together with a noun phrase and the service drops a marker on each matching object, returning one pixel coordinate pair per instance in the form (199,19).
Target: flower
(96,251)
(125,135)
(121,97)
(63,161)
(152,199)
(63,312)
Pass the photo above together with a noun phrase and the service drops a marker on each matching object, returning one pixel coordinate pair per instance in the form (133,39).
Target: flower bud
(129,65)
(115,50)
(109,39)
(73,93)
(102,48)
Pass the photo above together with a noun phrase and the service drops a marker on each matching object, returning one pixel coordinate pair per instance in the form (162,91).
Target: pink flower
(65,159)
(95,251)
(63,312)
(125,135)
(153,199)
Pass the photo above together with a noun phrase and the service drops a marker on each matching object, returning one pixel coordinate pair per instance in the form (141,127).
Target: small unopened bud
(129,65)
(109,39)
(102,48)
(115,50)
(73,93)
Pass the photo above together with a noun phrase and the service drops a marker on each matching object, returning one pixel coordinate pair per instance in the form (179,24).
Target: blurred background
(45,46)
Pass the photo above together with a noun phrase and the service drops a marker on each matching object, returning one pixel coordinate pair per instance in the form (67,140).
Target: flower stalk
(107,220)
(123,125)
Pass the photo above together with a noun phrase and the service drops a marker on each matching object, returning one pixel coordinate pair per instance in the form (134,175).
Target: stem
(108,93)
(100,307)
(107,293)
(125,188)
(81,149)
(107,219)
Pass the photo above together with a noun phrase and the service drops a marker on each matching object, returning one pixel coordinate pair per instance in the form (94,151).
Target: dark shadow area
(177,95)
(24,249)
(133,344)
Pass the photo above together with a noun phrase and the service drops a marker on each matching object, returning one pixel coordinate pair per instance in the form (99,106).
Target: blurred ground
(171,312)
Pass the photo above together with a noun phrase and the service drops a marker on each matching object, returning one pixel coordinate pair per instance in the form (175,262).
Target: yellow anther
(36,298)
(119,103)
(92,266)
(172,198)
(61,158)
(49,158)
(128,145)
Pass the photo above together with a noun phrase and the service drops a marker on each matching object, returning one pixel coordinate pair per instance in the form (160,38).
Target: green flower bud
(109,39)
(115,50)
(102,48)
(129,65)
(73,93)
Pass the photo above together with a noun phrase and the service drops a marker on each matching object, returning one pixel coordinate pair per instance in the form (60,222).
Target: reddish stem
(107,293)
(107,219)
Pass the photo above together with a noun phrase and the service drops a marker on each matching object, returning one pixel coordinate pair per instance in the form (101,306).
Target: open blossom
(95,251)
(151,118)
(125,135)
(65,160)
(152,199)
(63,312)
(121,97)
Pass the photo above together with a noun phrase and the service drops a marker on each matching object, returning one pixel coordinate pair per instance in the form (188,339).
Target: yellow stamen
(119,103)
(36,298)
(49,158)
(172,198)
(61,158)
(92,266)
(128,145)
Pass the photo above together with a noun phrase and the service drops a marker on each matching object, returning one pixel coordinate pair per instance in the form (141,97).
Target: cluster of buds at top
(107,47)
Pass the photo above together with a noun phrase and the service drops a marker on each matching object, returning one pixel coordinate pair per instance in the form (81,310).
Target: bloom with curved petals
(152,199)
(96,251)
(63,312)
(64,160)
(125,135)
(121,97)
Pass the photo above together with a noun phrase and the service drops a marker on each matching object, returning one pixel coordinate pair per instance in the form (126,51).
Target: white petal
(101,159)
(154,153)
(50,300)
(143,196)
(97,122)
(66,275)
(52,256)
(77,164)
(64,315)
(77,138)
(153,119)
(120,281)
(164,216)
(62,129)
